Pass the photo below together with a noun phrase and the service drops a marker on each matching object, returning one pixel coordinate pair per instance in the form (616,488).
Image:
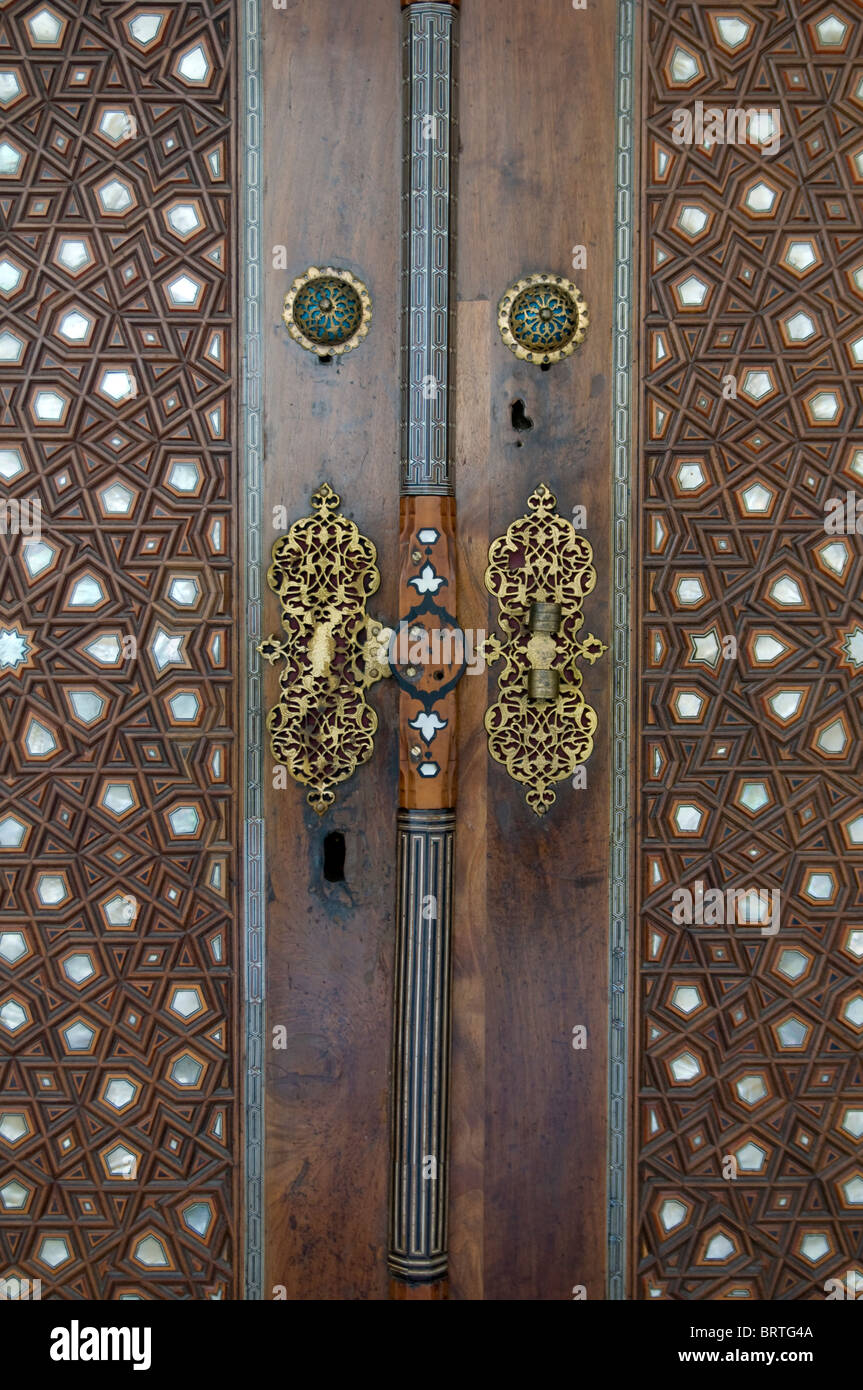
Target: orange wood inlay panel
(428,569)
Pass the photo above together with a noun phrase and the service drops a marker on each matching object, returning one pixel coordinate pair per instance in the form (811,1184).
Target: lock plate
(323,571)
(541,727)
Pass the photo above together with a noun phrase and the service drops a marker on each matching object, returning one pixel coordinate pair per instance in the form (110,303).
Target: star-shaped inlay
(849,649)
(16,648)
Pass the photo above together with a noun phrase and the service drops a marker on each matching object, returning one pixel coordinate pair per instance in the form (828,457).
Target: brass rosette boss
(543,318)
(327,311)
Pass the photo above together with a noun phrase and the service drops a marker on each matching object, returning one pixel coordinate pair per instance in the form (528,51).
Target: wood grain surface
(530,943)
(331,197)
(528,1150)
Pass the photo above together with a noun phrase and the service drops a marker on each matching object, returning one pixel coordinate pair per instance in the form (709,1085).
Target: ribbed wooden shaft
(428,674)
(421,1046)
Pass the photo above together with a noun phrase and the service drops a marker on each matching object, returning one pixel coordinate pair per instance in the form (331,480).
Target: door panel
(531,939)
(528,1151)
(118,704)
(332,169)
(749,769)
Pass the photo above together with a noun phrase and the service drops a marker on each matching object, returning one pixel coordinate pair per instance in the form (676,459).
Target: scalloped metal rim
(504,310)
(328,349)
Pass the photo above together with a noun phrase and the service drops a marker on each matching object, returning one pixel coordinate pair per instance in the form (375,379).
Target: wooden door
(528,1158)
(656,1008)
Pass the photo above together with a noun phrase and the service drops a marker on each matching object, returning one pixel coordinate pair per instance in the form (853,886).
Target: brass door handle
(322,728)
(541,727)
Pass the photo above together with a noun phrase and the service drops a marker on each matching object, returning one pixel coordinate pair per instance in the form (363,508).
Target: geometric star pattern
(118,813)
(749,1045)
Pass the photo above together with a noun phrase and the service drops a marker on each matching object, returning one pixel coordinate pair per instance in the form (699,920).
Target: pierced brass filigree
(543,318)
(541,727)
(323,571)
(327,311)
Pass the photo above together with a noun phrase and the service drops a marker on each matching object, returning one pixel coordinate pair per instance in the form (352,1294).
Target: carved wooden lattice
(118,1121)
(750,764)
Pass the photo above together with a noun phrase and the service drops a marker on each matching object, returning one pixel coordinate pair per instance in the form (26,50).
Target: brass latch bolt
(544,622)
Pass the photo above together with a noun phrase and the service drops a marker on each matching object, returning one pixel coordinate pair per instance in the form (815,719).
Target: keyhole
(325,359)
(334,857)
(520,420)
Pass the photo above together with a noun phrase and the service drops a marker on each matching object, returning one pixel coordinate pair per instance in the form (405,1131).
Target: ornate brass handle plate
(323,571)
(541,727)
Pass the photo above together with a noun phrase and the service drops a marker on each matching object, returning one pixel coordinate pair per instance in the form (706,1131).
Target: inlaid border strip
(430,36)
(622,436)
(253,847)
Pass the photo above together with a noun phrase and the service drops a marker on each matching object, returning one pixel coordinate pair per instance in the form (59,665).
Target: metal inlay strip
(430,44)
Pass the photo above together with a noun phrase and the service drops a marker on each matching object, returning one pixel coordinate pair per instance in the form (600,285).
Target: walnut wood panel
(332,179)
(119,1123)
(749,1076)
(536,170)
